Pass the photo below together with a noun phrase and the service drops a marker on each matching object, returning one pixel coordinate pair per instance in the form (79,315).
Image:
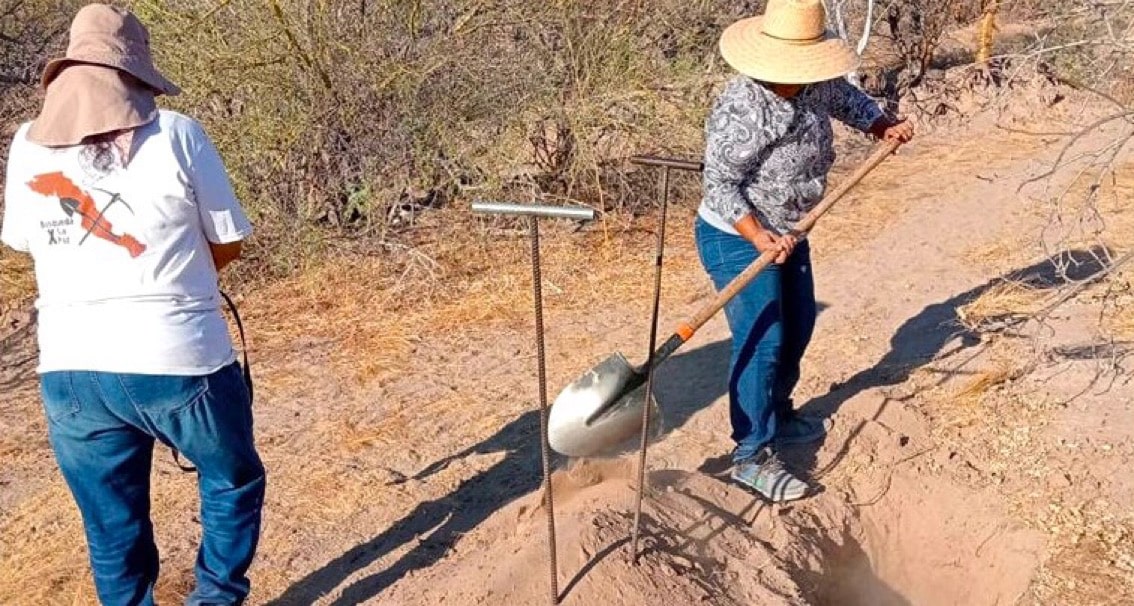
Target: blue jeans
(771,322)
(102,427)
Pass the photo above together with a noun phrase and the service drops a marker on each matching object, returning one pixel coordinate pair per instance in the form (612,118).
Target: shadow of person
(849,578)
(433,527)
(690,382)
(924,337)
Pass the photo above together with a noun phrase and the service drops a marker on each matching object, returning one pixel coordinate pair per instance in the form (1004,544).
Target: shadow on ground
(848,577)
(935,333)
(692,381)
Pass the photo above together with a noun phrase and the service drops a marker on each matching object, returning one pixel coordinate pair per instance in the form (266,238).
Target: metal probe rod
(640,493)
(666,164)
(578,213)
(534,212)
(545,449)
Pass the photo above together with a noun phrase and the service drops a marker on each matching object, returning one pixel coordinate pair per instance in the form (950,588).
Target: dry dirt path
(893,525)
(420,487)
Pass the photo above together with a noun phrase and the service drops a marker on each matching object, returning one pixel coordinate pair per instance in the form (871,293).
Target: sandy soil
(421,486)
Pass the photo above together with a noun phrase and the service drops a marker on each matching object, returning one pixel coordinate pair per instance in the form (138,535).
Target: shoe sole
(786,497)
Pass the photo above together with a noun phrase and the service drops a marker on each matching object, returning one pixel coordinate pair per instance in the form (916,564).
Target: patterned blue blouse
(769,156)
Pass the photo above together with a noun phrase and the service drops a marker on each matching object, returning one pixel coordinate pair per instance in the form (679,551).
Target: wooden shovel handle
(686,330)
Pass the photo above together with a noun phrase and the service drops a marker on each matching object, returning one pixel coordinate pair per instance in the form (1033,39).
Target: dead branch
(1079,287)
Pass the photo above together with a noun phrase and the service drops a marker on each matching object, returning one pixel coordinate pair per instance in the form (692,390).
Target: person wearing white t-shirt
(128,214)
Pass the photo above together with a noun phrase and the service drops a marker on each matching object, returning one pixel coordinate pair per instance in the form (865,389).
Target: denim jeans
(771,322)
(102,428)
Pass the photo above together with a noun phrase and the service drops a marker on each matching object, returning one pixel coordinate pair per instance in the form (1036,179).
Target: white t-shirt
(126,281)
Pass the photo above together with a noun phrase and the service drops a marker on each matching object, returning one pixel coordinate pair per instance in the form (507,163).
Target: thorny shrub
(350,119)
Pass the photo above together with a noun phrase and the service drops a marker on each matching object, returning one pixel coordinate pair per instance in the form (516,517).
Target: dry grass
(1006,252)
(974,391)
(1092,557)
(1097,212)
(361,318)
(370,313)
(1085,212)
(17,283)
(1118,315)
(968,397)
(1004,425)
(1121,323)
(339,120)
(1004,302)
(30,577)
(1093,561)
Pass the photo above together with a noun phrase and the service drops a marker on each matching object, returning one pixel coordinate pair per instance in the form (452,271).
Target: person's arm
(735,134)
(765,239)
(223,254)
(856,109)
(222,218)
(892,129)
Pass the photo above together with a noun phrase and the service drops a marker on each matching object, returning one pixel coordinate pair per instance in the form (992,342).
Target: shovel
(601,410)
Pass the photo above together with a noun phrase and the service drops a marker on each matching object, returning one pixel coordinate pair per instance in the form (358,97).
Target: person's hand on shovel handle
(765,240)
(890,128)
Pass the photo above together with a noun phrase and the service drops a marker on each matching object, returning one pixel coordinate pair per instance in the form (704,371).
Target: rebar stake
(666,164)
(545,448)
(534,212)
(640,494)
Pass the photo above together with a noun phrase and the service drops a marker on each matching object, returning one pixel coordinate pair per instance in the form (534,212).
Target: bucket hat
(105,82)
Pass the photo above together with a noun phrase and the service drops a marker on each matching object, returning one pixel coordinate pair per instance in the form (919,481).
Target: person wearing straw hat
(128,214)
(769,148)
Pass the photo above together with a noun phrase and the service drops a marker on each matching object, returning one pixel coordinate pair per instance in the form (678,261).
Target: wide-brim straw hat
(112,37)
(788,44)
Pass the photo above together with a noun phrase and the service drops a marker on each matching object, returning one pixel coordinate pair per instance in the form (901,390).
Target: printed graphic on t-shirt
(74,201)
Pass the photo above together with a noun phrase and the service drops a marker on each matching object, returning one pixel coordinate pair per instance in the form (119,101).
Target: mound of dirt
(706,541)
(698,547)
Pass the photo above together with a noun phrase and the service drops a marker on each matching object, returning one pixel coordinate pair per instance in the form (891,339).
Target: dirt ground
(962,468)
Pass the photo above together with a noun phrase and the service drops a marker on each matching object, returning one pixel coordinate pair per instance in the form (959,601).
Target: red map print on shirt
(76,201)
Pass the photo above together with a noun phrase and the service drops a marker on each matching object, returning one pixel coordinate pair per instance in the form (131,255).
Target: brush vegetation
(344,123)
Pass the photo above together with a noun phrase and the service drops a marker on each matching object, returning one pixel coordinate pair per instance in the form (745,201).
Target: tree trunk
(986,32)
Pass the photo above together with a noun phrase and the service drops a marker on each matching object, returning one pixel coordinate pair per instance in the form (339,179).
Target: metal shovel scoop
(601,410)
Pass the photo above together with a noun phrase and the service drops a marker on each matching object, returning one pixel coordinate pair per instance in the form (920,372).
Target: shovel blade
(612,380)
